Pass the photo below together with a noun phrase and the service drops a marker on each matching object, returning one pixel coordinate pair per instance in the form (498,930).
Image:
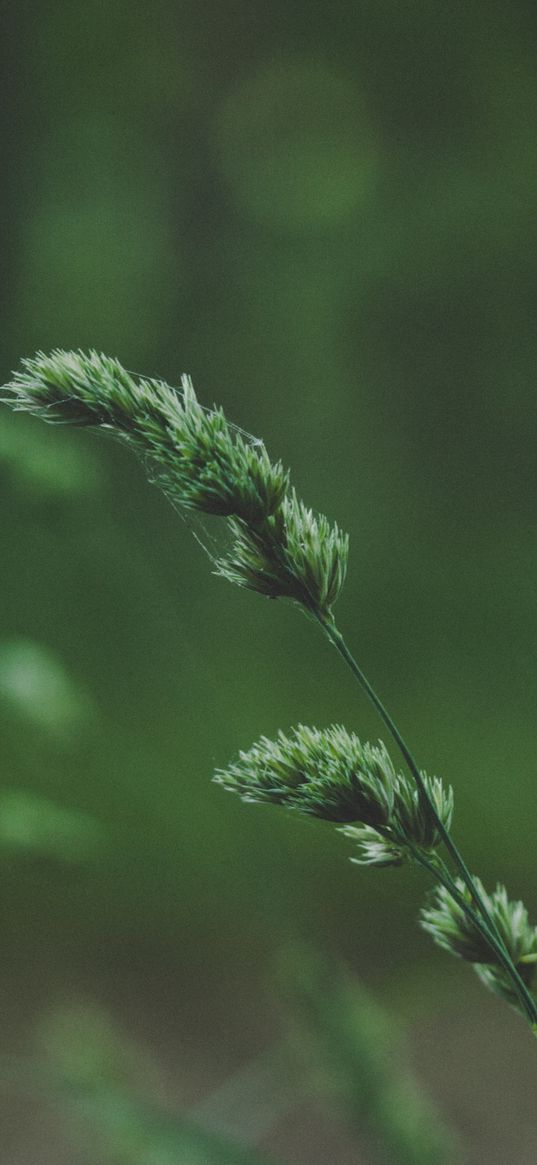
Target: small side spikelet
(294,554)
(413,819)
(327,773)
(453,930)
(375,848)
(411,825)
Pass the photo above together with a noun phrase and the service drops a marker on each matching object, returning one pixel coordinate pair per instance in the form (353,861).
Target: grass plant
(278,547)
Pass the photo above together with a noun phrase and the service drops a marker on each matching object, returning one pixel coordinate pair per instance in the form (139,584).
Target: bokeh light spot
(295,145)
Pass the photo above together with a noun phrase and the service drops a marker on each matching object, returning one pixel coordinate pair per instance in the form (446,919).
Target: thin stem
(490,929)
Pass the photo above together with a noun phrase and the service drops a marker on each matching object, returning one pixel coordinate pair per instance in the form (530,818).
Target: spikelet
(323,773)
(278,547)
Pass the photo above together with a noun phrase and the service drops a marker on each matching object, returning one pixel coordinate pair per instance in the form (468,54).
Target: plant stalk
(487,926)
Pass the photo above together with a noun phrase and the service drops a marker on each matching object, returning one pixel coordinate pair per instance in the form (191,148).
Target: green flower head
(453,930)
(294,554)
(197,458)
(324,773)
(278,547)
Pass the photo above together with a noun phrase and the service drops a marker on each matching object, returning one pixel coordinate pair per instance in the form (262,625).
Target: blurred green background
(325,213)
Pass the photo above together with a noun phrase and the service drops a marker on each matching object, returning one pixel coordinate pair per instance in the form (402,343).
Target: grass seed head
(294,554)
(412,816)
(453,930)
(325,773)
(196,457)
(203,463)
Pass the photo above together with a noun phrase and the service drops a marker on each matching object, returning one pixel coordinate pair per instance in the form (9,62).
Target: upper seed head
(279,547)
(194,454)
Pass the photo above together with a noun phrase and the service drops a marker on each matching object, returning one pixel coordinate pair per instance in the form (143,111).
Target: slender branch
(488,927)
(336,638)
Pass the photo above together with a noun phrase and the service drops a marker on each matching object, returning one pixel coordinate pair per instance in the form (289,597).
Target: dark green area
(325,213)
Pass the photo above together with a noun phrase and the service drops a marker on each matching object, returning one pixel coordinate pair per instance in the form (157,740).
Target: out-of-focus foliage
(36,826)
(354,1046)
(36,687)
(32,459)
(325,214)
(346,1050)
(306,171)
(105,1084)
